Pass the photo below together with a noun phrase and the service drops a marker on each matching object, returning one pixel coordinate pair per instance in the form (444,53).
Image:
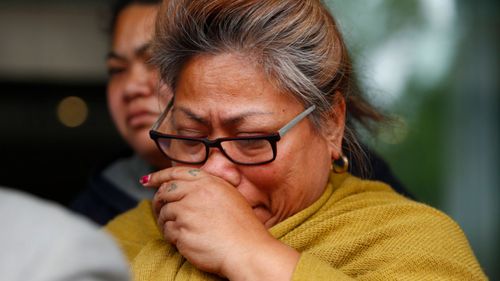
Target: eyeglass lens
(246,151)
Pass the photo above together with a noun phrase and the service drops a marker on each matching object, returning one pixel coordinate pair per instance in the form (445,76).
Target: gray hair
(295,42)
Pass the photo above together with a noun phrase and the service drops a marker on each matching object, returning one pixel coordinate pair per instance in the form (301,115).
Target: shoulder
(113,190)
(134,229)
(139,217)
(21,210)
(39,236)
(101,201)
(367,223)
(373,205)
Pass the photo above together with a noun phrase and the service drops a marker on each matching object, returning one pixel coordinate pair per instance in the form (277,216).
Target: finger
(174,173)
(170,232)
(159,199)
(167,213)
(168,223)
(158,202)
(171,192)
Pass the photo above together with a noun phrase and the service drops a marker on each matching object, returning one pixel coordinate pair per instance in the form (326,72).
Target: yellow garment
(357,230)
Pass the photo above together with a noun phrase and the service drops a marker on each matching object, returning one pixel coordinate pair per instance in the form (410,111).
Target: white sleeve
(42,241)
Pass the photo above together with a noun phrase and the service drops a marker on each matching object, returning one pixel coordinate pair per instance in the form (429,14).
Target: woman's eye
(115,70)
(253,144)
(190,133)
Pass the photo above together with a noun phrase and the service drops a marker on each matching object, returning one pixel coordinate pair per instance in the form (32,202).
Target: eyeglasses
(251,150)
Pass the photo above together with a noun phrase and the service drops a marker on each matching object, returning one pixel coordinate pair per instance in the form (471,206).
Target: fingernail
(144,179)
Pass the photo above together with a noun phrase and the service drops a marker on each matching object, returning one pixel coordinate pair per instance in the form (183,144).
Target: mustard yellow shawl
(357,230)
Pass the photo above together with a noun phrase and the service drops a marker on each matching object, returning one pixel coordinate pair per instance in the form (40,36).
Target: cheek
(264,182)
(154,78)
(280,174)
(115,102)
(298,175)
(265,177)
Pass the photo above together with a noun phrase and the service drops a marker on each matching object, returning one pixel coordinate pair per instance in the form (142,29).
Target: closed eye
(190,133)
(115,70)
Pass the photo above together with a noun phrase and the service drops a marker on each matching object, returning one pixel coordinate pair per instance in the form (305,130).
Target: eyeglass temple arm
(160,119)
(296,120)
(281,132)
(162,115)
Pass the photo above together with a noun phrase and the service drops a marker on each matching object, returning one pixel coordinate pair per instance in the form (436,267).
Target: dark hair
(119,5)
(297,44)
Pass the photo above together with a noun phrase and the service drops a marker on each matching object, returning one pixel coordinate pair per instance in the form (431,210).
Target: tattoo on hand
(194,172)
(172,187)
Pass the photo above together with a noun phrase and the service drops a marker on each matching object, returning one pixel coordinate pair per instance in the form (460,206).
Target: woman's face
(227,96)
(133,84)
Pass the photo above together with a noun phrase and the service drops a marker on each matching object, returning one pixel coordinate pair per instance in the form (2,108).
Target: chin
(144,146)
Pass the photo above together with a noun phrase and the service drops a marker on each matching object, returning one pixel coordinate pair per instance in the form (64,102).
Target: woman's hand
(202,215)
(211,223)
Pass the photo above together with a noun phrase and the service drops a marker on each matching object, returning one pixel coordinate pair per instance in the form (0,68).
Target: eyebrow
(231,121)
(141,51)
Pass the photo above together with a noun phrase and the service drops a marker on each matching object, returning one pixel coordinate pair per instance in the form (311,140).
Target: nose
(218,165)
(140,82)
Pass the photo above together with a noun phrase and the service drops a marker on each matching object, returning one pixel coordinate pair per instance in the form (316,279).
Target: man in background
(132,97)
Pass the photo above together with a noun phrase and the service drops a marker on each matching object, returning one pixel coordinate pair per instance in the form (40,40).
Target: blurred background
(432,64)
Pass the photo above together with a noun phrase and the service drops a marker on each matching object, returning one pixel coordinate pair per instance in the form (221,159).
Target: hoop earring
(340,165)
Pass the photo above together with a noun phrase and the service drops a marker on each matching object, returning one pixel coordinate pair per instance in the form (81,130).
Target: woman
(263,104)
(133,104)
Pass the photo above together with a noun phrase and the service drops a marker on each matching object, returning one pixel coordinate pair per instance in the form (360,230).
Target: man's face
(133,84)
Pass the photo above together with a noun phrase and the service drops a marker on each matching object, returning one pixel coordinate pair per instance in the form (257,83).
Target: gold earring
(340,165)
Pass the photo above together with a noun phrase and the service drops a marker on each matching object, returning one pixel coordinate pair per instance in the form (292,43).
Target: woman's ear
(336,126)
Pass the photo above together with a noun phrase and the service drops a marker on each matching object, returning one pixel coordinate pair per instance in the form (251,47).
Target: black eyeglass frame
(271,138)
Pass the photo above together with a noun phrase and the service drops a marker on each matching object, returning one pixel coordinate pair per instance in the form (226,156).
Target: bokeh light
(72,111)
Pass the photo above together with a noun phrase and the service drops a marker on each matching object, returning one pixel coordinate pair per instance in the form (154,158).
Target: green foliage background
(444,145)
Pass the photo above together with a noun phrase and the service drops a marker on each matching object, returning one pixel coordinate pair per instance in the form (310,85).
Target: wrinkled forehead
(228,81)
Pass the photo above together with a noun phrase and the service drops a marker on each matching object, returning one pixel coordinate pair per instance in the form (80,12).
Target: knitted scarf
(357,230)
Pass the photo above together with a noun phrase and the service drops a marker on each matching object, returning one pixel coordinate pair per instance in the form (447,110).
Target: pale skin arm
(215,229)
